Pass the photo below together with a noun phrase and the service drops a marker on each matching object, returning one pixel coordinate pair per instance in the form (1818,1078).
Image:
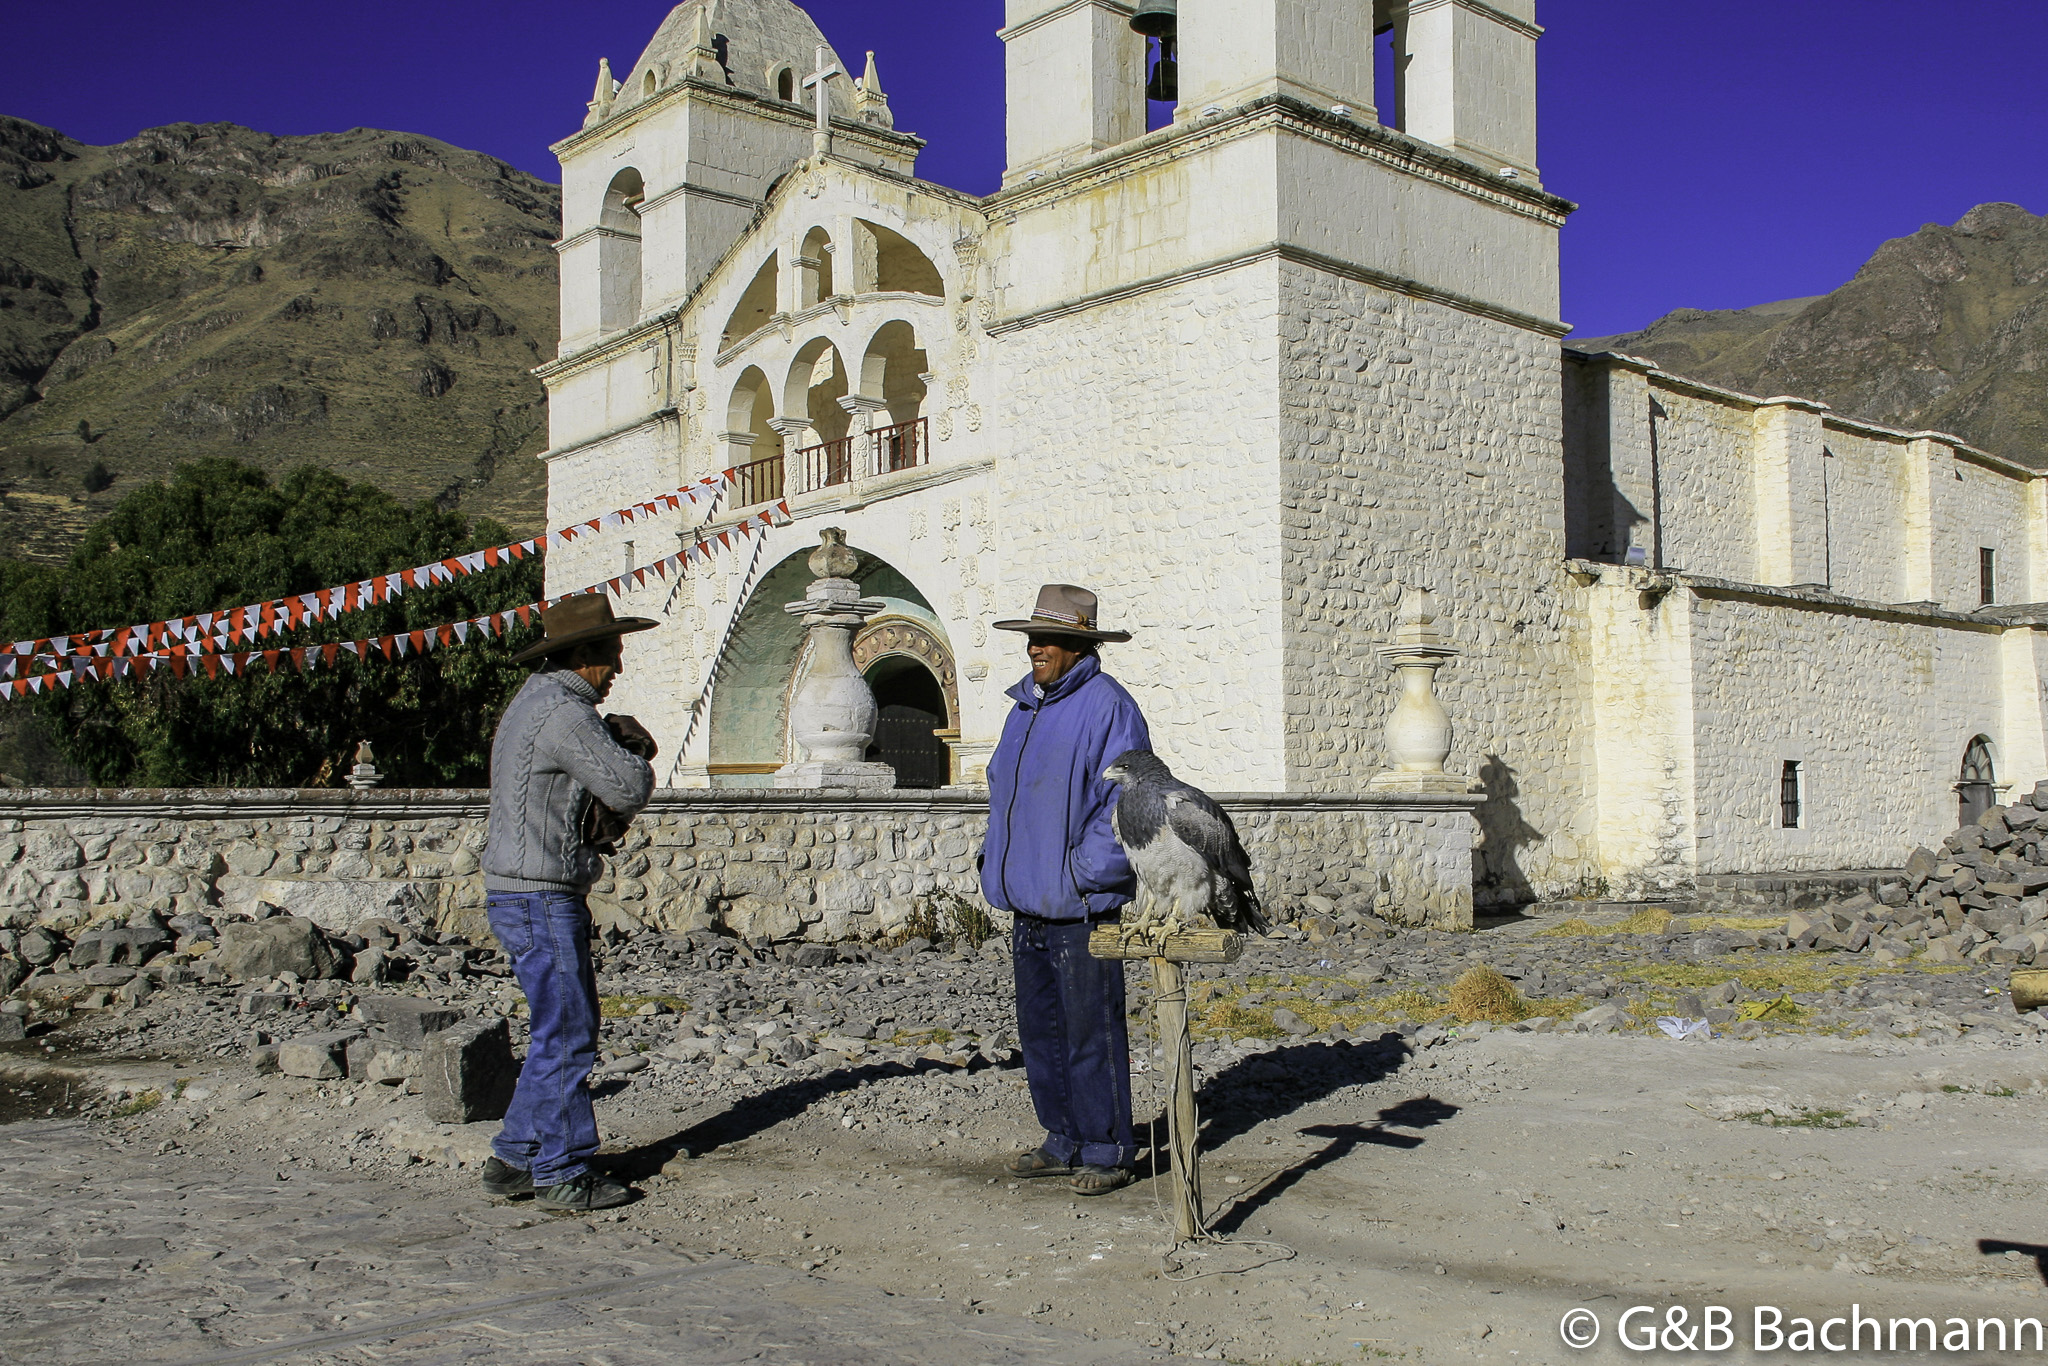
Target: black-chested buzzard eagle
(1186,852)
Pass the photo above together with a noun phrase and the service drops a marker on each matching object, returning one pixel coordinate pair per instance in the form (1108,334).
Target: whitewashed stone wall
(1702,689)
(1413,434)
(1878,514)
(1142,461)
(779,865)
(1876,711)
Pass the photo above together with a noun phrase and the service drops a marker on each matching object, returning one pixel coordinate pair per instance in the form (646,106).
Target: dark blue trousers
(551,1127)
(1077,1050)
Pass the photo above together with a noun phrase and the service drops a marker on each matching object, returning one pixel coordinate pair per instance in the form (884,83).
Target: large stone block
(318,1056)
(408,1020)
(130,944)
(50,851)
(467,1073)
(338,905)
(284,943)
(760,917)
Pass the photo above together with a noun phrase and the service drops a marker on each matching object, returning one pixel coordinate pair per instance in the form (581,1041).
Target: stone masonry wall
(1876,712)
(1420,446)
(758,864)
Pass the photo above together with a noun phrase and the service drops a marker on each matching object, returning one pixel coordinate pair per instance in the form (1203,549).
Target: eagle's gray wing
(1206,828)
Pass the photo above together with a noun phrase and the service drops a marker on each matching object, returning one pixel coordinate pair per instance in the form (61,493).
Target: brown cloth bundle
(603,827)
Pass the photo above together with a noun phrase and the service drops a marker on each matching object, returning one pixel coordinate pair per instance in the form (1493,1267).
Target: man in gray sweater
(552,758)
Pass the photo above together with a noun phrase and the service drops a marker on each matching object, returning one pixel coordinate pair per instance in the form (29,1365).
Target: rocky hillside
(367,301)
(1946,329)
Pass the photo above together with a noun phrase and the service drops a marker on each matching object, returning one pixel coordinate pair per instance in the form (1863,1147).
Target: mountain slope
(366,301)
(1946,329)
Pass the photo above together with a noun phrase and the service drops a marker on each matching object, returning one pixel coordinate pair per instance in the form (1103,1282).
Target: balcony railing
(760,482)
(823,465)
(901,447)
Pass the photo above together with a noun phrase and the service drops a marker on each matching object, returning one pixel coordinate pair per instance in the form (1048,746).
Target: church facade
(1249,375)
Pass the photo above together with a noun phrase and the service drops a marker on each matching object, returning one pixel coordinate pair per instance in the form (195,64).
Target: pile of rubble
(116,965)
(1982,899)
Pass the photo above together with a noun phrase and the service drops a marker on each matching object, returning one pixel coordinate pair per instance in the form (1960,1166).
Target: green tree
(220,534)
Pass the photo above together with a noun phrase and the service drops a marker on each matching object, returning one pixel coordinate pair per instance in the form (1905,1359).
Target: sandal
(1036,1162)
(1092,1180)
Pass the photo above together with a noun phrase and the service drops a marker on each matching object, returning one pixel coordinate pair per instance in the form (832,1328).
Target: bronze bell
(1161,19)
(1157,18)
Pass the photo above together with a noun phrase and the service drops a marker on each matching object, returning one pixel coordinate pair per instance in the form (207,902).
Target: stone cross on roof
(821,142)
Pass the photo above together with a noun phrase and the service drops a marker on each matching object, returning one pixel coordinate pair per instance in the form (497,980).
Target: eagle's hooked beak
(1114,773)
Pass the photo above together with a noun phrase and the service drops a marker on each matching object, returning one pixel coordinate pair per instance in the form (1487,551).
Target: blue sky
(1723,154)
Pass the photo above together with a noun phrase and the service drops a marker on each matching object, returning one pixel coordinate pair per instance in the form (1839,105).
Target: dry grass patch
(1481,993)
(1576,926)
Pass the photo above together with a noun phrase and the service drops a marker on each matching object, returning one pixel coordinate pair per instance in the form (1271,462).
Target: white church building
(1249,376)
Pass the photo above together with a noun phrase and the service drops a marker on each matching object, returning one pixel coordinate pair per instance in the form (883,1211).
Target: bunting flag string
(183,660)
(257,620)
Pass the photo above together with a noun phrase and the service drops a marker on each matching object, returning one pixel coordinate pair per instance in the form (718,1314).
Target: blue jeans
(1077,1050)
(551,1127)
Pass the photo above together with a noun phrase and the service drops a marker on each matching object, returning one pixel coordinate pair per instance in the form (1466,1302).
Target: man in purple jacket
(1054,863)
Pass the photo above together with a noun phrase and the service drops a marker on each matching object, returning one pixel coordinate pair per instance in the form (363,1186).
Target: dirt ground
(1375,1196)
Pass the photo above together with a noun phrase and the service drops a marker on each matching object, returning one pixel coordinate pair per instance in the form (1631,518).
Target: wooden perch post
(1170,1014)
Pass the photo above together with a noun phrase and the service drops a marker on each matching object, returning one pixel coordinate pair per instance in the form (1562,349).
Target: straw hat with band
(1063,610)
(574,620)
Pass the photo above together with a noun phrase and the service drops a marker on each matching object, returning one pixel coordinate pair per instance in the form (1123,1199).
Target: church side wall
(1639,686)
(1892,517)
(1876,712)
(1978,508)
(1140,458)
(1866,514)
(1421,446)
(1706,485)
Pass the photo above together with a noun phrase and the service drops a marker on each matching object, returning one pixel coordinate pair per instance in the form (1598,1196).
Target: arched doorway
(1977,788)
(763,665)
(913,711)
(918,690)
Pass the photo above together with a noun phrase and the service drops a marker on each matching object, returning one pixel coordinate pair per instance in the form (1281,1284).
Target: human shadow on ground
(753,1115)
(1265,1086)
(1233,1101)
(1996,1247)
(1423,1112)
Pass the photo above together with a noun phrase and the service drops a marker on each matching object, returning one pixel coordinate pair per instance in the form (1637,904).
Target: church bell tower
(1289,353)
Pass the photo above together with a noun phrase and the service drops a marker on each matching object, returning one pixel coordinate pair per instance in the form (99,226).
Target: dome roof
(761,38)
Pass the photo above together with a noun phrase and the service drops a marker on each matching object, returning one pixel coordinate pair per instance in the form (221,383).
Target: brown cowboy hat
(1063,610)
(573,620)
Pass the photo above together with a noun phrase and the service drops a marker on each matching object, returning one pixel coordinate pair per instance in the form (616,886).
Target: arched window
(893,371)
(900,267)
(618,252)
(785,85)
(756,445)
(1977,787)
(649,85)
(817,381)
(814,269)
(755,307)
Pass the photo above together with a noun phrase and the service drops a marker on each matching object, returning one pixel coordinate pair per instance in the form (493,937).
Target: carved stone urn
(1418,729)
(832,717)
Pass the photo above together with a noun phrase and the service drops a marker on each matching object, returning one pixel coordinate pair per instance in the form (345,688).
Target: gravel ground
(1440,1190)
